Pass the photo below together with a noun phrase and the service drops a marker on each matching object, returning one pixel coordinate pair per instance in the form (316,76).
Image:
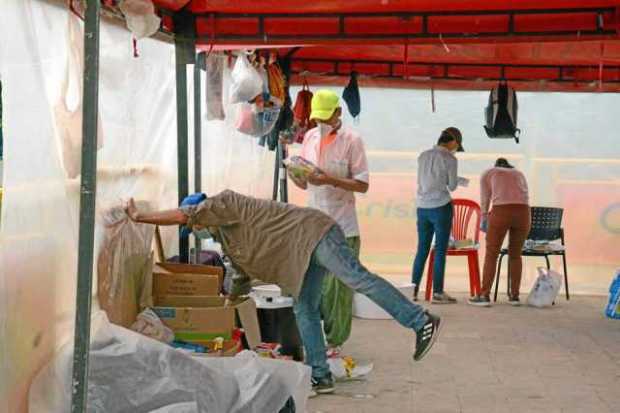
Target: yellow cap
(324,103)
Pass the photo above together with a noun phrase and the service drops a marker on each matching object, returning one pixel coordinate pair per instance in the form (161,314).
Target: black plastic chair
(546,226)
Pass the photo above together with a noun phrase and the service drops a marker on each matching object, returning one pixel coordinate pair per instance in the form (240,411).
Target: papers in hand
(464,182)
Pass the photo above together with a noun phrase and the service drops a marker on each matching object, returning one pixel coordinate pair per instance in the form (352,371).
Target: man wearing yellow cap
(343,170)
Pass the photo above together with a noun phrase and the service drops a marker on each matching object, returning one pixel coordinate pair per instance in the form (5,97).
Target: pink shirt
(344,157)
(502,186)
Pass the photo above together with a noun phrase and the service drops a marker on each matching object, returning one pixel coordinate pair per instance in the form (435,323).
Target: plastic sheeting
(41,206)
(129,372)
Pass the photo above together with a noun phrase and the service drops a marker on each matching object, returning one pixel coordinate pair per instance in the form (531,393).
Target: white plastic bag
(140,16)
(346,368)
(246,81)
(131,373)
(545,289)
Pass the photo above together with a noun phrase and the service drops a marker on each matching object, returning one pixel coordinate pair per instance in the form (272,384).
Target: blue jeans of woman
(334,255)
(437,222)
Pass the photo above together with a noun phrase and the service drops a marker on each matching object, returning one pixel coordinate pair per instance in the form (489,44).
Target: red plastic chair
(464,210)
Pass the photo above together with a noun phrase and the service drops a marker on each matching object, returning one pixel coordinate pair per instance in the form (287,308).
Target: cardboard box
(186,279)
(198,319)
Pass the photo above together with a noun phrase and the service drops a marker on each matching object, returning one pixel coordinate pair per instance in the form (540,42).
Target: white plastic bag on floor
(246,81)
(133,373)
(545,289)
(346,368)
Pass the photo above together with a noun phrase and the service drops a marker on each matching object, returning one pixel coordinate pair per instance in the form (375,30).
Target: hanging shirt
(502,186)
(437,176)
(342,156)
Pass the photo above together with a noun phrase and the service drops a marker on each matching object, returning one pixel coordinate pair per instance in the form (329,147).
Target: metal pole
(88,191)
(282,173)
(182,136)
(276,175)
(198,124)
(185,53)
(197,141)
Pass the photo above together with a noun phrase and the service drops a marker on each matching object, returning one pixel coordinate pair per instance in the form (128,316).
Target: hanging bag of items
(247,83)
(257,113)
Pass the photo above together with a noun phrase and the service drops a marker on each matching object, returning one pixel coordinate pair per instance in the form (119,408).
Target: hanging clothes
(351,96)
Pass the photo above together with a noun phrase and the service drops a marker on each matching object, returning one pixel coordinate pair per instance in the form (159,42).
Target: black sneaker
(323,385)
(480,301)
(425,338)
(514,301)
(442,298)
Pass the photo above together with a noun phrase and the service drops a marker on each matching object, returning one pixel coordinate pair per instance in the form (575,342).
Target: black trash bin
(277,321)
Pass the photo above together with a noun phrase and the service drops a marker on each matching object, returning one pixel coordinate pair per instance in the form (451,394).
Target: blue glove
(484,225)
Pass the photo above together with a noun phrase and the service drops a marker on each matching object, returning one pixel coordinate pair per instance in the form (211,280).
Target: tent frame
(185,41)
(416,26)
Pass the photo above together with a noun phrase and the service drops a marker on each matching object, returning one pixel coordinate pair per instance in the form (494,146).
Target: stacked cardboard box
(187,300)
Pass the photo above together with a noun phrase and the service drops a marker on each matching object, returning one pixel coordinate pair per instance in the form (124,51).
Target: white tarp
(41,205)
(129,372)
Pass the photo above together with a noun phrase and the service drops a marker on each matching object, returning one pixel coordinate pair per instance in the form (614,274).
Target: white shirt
(437,176)
(345,157)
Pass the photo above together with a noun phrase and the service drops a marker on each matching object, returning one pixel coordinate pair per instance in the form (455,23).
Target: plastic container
(364,307)
(277,320)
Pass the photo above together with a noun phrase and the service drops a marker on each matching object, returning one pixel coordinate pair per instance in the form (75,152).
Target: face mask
(325,129)
(202,233)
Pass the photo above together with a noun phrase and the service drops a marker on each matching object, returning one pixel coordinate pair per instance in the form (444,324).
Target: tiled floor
(499,359)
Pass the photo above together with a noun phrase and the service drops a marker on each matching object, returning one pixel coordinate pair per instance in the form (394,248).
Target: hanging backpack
(303,106)
(501,114)
(351,95)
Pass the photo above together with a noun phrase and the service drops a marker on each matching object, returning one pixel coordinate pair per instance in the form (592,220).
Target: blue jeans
(438,222)
(334,255)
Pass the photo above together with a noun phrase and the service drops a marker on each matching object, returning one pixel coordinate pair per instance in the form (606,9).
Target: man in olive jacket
(292,247)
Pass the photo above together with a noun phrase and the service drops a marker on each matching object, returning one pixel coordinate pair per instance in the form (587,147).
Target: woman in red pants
(506,188)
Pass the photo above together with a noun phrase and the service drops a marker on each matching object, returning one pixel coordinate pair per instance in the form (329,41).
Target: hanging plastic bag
(351,95)
(613,307)
(545,289)
(140,17)
(215,85)
(69,122)
(247,83)
(255,120)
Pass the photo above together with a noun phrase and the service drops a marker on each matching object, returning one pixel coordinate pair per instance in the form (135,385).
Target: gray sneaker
(442,298)
(323,385)
(479,301)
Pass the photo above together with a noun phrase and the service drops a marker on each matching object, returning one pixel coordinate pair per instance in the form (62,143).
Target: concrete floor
(499,359)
